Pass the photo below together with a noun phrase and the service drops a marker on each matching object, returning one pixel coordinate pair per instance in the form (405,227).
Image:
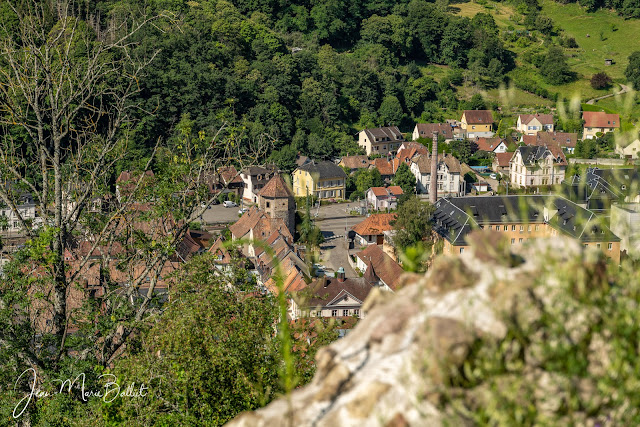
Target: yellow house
(324,180)
(477,123)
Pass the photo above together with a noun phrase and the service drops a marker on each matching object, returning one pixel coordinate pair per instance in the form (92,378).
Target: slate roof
(324,170)
(276,188)
(599,119)
(389,133)
(455,217)
(503,159)
(384,266)
(375,224)
(545,119)
(425,130)
(424,163)
(488,144)
(355,162)
(531,154)
(478,117)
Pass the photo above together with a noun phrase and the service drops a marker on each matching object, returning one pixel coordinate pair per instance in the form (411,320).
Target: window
(598,245)
(268,204)
(537,227)
(334,313)
(529,229)
(520,240)
(513,228)
(490,227)
(513,241)
(461,250)
(319,313)
(356,312)
(506,228)
(345,312)
(610,246)
(521,228)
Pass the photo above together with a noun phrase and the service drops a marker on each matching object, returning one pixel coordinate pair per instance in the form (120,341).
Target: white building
(449,180)
(530,124)
(534,165)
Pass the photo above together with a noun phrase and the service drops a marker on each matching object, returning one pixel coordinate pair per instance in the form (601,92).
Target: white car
(493,176)
(243,210)
(229,204)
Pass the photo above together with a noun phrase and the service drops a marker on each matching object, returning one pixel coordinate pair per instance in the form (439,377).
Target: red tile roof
(598,119)
(374,225)
(394,190)
(478,117)
(386,167)
(488,144)
(276,188)
(545,119)
(384,266)
(503,159)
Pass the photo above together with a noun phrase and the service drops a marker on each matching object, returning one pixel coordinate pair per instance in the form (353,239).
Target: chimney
(340,275)
(433,186)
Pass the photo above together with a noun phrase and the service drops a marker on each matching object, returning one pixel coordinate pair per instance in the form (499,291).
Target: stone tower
(276,199)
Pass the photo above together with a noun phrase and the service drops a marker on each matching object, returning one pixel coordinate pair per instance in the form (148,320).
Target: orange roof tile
(375,224)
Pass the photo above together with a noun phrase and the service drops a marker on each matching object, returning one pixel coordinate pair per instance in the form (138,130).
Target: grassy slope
(585,60)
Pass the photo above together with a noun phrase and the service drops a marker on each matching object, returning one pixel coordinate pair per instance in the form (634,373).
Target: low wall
(604,162)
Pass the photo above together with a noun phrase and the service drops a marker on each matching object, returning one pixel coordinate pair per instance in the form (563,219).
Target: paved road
(218,213)
(334,220)
(623,89)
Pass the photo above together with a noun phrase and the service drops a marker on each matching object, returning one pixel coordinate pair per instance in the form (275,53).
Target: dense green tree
(285,158)
(390,111)
(601,81)
(632,72)
(213,355)
(413,223)
(405,179)
(555,68)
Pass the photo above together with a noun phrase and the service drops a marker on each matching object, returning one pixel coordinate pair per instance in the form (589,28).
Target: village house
(530,124)
(426,130)
(386,167)
(534,165)
(625,223)
(371,230)
(127,183)
(256,226)
(353,163)
(409,150)
(25,207)
(276,200)
(477,123)
(565,140)
(501,163)
(381,198)
(324,180)
(380,140)
(597,122)
(225,179)
(450,182)
(491,145)
(335,297)
(379,266)
(193,242)
(254,178)
(520,219)
(629,151)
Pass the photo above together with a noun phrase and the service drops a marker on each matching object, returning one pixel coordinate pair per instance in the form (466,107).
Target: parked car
(493,176)
(229,204)
(243,210)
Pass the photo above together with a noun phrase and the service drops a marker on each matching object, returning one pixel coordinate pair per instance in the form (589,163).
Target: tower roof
(276,188)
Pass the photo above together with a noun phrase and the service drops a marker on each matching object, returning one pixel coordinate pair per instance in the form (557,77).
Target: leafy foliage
(405,179)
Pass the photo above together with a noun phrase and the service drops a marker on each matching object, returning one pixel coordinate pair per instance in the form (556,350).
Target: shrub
(600,81)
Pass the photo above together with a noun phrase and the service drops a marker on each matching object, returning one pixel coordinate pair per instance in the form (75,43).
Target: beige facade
(544,171)
(326,181)
(629,151)
(530,124)
(380,140)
